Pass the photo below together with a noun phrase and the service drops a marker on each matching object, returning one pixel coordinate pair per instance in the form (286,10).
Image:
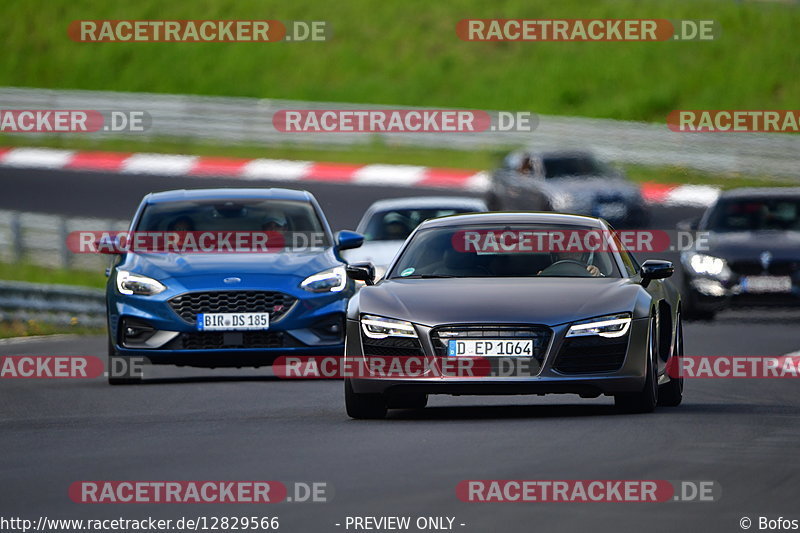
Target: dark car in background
(752,257)
(229,309)
(587,324)
(567,182)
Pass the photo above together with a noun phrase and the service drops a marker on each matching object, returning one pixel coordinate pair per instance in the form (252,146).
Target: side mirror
(347,240)
(656,269)
(361,272)
(690,224)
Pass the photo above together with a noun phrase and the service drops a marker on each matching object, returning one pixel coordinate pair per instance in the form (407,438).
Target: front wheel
(646,400)
(363,406)
(671,394)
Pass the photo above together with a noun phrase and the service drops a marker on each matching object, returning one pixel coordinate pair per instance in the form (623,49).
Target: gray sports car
(591,323)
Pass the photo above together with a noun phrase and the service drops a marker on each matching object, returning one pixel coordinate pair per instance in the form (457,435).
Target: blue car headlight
(604,326)
(130,283)
(331,280)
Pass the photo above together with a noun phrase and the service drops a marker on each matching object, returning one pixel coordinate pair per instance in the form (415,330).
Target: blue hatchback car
(228,309)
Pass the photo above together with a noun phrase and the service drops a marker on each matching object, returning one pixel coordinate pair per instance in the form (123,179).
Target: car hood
(594,186)
(741,245)
(549,301)
(181,266)
(379,253)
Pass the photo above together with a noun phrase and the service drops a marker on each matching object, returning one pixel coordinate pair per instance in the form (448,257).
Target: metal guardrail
(42,239)
(55,304)
(249,120)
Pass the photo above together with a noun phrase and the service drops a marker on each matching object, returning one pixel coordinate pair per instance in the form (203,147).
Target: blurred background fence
(39,239)
(249,121)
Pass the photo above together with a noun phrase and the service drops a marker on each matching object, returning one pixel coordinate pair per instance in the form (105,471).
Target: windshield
(557,167)
(397,224)
(756,214)
(292,218)
(452,252)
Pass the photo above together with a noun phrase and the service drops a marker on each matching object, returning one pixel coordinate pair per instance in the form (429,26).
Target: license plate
(490,348)
(232,321)
(762,284)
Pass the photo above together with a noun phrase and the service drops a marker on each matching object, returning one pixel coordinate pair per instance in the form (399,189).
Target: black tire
(646,400)
(363,406)
(407,401)
(115,362)
(671,394)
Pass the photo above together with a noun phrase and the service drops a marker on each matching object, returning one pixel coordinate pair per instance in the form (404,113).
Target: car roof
(229,193)
(761,192)
(513,218)
(415,202)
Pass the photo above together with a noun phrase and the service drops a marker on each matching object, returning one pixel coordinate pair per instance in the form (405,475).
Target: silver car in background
(386,224)
(572,182)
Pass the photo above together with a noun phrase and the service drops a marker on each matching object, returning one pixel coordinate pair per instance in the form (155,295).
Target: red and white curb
(292,171)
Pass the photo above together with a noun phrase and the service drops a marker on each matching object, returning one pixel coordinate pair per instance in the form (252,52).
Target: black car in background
(572,182)
(753,252)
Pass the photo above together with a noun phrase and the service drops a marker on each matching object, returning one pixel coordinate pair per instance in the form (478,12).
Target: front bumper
(546,377)
(313,325)
(710,294)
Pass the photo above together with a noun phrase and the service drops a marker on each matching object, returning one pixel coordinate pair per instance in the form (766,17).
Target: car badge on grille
(232,280)
(766,258)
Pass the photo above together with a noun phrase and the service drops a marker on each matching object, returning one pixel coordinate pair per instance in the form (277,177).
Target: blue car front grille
(189,305)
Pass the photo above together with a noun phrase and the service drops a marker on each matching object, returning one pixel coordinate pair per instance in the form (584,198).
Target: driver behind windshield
(576,257)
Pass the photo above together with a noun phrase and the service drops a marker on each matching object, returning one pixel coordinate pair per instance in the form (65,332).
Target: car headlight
(378,327)
(129,283)
(604,326)
(331,280)
(708,265)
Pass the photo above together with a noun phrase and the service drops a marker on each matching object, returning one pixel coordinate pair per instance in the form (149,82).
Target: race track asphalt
(190,424)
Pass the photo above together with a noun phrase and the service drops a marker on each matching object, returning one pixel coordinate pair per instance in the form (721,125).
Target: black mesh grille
(391,347)
(189,305)
(539,334)
(588,355)
(217,340)
(775,268)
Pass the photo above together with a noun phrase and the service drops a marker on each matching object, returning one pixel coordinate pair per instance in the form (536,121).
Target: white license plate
(232,321)
(490,348)
(762,284)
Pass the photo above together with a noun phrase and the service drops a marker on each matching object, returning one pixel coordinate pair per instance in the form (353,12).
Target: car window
(233,215)
(440,252)
(397,224)
(755,215)
(557,167)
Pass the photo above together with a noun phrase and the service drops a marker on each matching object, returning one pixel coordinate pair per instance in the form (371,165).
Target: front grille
(189,305)
(539,334)
(589,355)
(391,347)
(775,268)
(218,340)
